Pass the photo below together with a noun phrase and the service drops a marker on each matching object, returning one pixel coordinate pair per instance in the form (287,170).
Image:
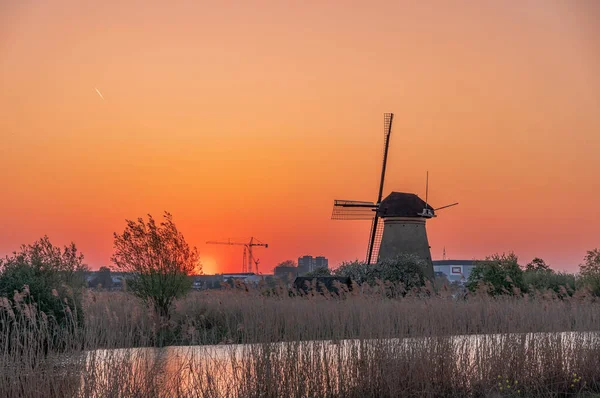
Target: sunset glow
(249,118)
(209,265)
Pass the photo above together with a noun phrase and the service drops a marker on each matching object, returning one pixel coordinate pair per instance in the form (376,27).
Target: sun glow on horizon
(209,265)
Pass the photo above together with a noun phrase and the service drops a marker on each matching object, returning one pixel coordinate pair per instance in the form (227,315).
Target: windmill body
(397,222)
(404,228)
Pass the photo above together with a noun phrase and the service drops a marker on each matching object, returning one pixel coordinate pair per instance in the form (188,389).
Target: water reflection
(321,366)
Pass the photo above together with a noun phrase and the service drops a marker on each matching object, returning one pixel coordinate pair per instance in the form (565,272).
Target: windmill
(403,215)
(248,259)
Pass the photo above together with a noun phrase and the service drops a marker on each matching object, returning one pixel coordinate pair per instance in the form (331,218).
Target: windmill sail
(357,210)
(377,227)
(375,241)
(387,132)
(353,210)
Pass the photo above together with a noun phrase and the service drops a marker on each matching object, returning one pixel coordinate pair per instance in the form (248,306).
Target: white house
(455,270)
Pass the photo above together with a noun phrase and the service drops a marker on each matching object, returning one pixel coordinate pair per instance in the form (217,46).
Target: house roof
(454,262)
(402,204)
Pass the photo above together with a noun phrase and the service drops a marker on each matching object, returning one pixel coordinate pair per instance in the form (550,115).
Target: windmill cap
(402,204)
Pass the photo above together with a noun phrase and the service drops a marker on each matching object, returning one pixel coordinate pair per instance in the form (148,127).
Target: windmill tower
(403,216)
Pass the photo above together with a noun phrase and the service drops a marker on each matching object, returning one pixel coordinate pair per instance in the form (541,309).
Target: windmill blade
(353,203)
(375,241)
(353,210)
(388,118)
(445,207)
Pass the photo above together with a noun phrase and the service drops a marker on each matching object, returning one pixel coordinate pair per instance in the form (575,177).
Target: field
(373,341)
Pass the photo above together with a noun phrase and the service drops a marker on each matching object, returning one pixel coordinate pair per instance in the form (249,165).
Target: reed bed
(371,341)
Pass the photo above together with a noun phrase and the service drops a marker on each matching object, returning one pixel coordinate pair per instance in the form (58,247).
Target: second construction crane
(248,261)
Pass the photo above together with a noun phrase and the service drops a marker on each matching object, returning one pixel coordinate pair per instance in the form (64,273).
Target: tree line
(502,274)
(157,261)
(498,274)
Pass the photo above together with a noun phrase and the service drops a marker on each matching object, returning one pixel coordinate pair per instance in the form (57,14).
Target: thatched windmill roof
(402,204)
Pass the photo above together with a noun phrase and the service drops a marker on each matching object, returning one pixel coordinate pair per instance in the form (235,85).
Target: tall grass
(371,341)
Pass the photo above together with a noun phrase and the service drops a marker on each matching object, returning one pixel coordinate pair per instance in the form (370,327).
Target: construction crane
(248,259)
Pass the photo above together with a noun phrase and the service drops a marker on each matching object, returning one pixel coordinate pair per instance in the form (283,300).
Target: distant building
(321,262)
(246,277)
(117,281)
(201,282)
(455,270)
(305,264)
(310,263)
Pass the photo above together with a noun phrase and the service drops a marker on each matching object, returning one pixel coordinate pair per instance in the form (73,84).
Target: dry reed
(371,341)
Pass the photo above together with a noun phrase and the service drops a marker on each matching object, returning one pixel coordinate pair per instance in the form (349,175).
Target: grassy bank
(248,316)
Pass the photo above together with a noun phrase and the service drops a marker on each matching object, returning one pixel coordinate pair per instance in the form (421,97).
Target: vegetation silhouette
(158,261)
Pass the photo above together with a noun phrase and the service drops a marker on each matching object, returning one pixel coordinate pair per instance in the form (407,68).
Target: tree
(286,264)
(286,270)
(590,271)
(54,277)
(157,259)
(591,264)
(539,276)
(405,268)
(102,278)
(501,271)
(537,264)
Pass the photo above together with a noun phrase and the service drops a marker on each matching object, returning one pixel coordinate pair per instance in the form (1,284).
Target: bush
(53,278)
(501,272)
(590,282)
(318,272)
(404,268)
(355,270)
(547,279)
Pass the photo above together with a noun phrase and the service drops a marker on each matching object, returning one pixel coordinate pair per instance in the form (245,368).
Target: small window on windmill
(457,270)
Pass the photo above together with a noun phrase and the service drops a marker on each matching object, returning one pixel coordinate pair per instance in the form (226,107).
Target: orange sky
(249,117)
